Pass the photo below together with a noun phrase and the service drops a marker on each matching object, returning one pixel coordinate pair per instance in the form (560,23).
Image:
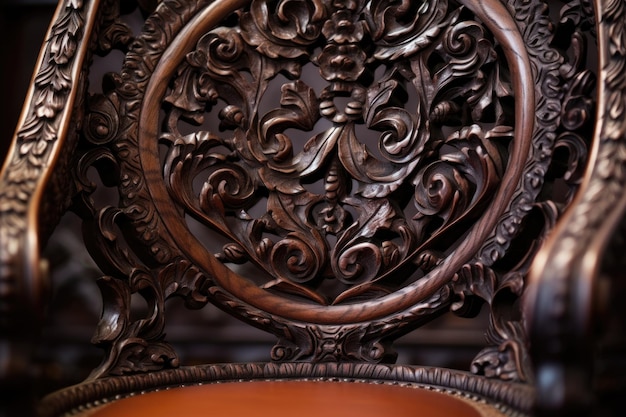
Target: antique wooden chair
(337,173)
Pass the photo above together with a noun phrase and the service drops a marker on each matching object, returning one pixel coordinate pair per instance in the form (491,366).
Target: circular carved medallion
(353,158)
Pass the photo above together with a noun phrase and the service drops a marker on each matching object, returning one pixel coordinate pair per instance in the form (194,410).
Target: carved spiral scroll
(364,165)
(381,242)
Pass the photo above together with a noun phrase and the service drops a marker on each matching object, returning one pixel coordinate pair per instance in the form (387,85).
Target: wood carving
(577,278)
(369,165)
(36,136)
(336,173)
(28,208)
(562,124)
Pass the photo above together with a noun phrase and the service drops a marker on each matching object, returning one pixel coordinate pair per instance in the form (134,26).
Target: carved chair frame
(529,137)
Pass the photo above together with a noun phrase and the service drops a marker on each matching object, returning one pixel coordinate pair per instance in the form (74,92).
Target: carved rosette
(367,197)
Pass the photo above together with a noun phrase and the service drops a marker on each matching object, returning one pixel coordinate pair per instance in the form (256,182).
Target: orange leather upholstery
(291,398)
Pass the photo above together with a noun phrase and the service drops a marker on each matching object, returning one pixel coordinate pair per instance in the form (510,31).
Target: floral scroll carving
(355,229)
(562,127)
(366,163)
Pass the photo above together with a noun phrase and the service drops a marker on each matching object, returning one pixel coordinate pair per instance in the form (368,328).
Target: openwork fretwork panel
(335,172)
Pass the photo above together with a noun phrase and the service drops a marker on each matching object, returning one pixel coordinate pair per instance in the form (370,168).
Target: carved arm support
(32,195)
(576,282)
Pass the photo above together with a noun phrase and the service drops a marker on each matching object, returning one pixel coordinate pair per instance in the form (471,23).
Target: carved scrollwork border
(564,282)
(139,212)
(535,26)
(506,356)
(388,304)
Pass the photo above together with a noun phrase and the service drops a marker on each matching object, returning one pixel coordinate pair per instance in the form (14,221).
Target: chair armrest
(32,195)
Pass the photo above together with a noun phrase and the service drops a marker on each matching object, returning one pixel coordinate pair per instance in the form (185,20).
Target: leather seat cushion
(293,399)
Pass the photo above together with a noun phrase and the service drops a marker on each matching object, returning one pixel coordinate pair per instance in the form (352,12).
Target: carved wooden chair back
(337,174)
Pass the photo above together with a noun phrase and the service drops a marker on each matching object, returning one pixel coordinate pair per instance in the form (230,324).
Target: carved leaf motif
(401,29)
(358,256)
(449,191)
(299,110)
(379,216)
(475,280)
(132,345)
(441,194)
(469,55)
(239,74)
(36,135)
(300,96)
(378,178)
(317,150)
(116,34)
(193,89)
(404,141)
(64,42)
(48,103)
(293,258)
(300,253)
(489,94)
(136,355)
(113,259)
(54,78)
(287,33)
(506,357)
(183,279)
(190,156)
(232,184)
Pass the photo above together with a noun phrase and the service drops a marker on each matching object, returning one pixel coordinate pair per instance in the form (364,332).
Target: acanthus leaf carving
(505,356)
(328,215)
(404,29)
(351,342)
(474,281)
(132,345)
(299,110)
(275,35)
(136,355)
(335,153)
(27,171)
